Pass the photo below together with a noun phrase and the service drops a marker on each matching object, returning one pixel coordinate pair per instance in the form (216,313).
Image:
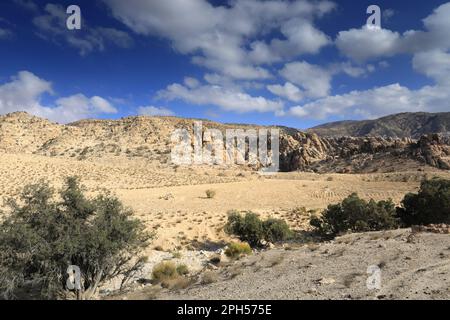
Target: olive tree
(44,233)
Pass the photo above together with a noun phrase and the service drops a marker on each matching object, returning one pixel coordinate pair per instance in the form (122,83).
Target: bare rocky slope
(148,138)
(403,125)
(412,266)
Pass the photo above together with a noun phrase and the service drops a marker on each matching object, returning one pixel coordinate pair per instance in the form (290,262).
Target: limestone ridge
(148,138)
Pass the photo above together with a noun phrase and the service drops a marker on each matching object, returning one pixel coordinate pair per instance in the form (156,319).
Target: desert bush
(276,230)
(41,237)
(168,270)
(210,194)
(182,270)
(250,228)
(431,205)
(236,249)
(356,215)
(164,271)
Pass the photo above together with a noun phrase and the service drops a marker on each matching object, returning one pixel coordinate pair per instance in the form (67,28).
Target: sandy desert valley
(131,158)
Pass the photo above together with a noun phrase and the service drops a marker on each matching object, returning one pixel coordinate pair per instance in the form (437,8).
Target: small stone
(325,281)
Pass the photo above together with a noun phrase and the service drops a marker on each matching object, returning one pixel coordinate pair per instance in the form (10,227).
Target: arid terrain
(131,158)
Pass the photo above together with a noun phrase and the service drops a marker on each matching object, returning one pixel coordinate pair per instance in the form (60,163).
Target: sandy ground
(173,203)
(188,215)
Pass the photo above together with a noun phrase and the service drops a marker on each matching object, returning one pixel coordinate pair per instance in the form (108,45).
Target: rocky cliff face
(308,152)
(149,138)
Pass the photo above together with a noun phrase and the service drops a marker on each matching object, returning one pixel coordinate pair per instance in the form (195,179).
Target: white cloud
(435,65)
(155,111)
(315,80)
(351,70)
(51,26)
(287,91)
(370,43)
(368,104)
(377,102)
(24,93)
(301,38)
(228,99)
(191,82)
(5,33)
(217,36)
(388,14)
(395,98)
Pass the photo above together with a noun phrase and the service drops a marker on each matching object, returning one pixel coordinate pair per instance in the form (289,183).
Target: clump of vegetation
(250,228)
(41,237)
(165,270)
(236,249)
(276,230)
(182,270)
(210,194)
(431,205)
(170,275)
(356,215)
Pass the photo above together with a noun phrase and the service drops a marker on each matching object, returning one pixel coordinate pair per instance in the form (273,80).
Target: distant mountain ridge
(402,125)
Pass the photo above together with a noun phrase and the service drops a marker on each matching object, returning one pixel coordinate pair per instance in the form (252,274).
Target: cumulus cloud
(376,102)
(368,43)
(434,64)
(390,99)
(315,80)
(371,43)
(430,57)
(228,99)
(51,25)
(287,91)
(155,111)
(217,36)
(25,91)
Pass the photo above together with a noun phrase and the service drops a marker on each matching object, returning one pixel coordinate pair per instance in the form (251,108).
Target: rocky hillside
(403,125)
(149,138)
(413,266)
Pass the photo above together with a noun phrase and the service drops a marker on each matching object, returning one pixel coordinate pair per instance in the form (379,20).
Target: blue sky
(294,63)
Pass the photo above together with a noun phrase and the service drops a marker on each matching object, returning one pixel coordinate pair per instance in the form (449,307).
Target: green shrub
(276,230)
(431,205)
(210,194)
(250,228)
(182,270)
(168,270)
(165,270)
(41,237)
(236,249)
(356,215)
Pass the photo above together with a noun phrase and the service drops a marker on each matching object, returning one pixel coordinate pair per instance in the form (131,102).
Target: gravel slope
(412,267)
